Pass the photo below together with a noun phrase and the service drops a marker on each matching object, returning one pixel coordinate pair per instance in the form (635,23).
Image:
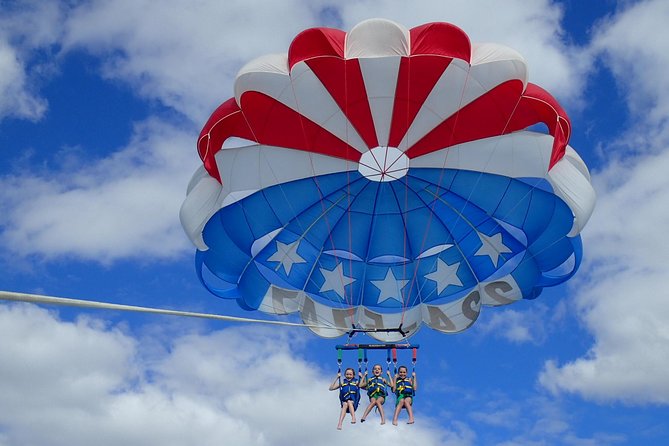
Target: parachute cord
(63,301)
(360,360)
(406,295)
(394,350)
(459,211)
(438,185)
(438,189)
(304,231)
(473,188)
(272,308)
(405,301)
(414,359)
(348,299)
(348,195)
(437,195)
(532,188)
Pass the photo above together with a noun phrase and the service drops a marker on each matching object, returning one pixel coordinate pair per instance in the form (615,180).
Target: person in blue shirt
(376,391)
(349,394)
(405,389)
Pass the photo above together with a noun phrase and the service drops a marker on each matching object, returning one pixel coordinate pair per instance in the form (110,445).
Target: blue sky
(100,109)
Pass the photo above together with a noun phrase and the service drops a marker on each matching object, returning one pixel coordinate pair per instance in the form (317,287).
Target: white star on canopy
(445,275)
(287,255)
(335,280)
(492,246)
(390,287)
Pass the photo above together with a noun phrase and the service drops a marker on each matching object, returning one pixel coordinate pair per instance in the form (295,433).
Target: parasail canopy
(386,176)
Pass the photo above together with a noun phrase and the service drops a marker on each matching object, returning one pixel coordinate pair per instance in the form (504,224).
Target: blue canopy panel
(429,237)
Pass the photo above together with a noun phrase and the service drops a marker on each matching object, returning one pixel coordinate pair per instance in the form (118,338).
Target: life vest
(376,387)
(349,390)
(404,387)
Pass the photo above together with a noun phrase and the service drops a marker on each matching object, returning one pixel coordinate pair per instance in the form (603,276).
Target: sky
(101,104)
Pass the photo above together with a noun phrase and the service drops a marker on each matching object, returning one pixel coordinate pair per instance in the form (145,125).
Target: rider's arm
(336,383)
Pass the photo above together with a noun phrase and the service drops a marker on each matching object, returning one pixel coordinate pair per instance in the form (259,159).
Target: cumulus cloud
(26,28)
(187,55)
(16,99)
(88,382)
(181,53)
(635,47)
(123,205)
(622,296)
(624,300)
(535,421)
(516,326)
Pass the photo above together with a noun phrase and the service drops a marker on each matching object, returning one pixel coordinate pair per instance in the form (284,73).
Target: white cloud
(181,53)
(32,23)
(124,205)
(85,382)
(635,44)
(24,28)
(187,54)
(16,100)
(622,294)
(527,419)
(624,301)
(515,326)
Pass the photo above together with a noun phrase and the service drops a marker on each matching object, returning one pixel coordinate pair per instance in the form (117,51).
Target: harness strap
(339,365)
(365,350)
